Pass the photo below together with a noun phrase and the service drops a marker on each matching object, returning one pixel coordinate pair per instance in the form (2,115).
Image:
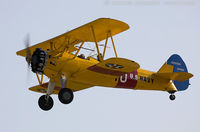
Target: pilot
(98,57)
(82,56)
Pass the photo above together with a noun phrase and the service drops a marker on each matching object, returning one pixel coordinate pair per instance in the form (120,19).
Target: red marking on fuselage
(128,80)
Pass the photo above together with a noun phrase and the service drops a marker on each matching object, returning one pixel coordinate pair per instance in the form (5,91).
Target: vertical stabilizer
(178,66)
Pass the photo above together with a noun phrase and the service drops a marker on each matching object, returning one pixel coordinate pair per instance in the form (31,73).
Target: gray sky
(159,28)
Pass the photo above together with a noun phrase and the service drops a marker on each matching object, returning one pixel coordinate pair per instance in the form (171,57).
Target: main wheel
(172,97)
(65,95)
(45,102)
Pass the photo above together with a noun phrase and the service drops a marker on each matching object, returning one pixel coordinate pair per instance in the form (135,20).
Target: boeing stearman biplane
(68,72)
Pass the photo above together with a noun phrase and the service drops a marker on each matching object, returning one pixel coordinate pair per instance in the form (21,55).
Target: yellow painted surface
(166,68)
(41,89)
(128,65)
(177,76)
(77,71)
(74,86)
(158,83)
(81,34)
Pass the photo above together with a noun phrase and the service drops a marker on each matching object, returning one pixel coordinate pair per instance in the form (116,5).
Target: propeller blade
(28,52)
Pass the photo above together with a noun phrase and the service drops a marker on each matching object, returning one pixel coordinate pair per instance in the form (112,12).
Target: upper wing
(67,40)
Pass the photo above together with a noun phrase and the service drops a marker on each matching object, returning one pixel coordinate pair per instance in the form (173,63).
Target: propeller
(28,51)
(28,57)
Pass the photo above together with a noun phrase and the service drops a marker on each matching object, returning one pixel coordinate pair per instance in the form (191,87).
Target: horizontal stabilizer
(176,76)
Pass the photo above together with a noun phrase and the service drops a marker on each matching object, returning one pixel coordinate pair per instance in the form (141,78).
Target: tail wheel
(65,95)
(172,97)
(45,102)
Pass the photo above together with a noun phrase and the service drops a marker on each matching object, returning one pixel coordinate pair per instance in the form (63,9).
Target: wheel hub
(66,96)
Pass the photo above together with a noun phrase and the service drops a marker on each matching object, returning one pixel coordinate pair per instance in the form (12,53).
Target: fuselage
(139,79)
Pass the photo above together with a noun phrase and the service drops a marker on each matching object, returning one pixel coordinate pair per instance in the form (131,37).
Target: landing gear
(65,95)
(45,102)
(172,97)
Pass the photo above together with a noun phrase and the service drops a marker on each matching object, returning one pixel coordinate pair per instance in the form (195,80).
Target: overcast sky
(158,29)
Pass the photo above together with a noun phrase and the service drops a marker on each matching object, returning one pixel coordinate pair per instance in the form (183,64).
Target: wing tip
(21,53)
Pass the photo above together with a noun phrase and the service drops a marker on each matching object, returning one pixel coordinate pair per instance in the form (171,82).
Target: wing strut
(40,80)
(113,44)
(78,50)
(99,55)
(104,50)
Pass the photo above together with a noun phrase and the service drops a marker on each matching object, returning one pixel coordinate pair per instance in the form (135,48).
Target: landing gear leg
(45,102)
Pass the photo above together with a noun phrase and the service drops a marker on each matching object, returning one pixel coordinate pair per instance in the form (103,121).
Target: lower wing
(105,73)
(74,86)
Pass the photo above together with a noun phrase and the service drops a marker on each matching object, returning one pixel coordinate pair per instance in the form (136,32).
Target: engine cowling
(38,61)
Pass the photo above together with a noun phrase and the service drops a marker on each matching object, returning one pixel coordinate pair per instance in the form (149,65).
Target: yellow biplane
(68,71)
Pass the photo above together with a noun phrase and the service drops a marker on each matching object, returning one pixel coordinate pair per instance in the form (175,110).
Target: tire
(65,95)
(172,97)
(45,103)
